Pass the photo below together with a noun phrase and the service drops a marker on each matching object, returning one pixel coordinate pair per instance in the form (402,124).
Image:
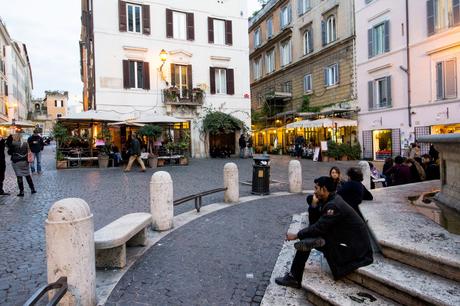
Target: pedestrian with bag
(20,158)
(36,146)
(135,153)
(2,165)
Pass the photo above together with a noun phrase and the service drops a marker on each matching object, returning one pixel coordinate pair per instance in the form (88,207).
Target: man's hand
(314,201)
(291,236)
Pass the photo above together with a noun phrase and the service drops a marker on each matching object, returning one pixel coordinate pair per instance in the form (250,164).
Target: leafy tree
(150,131)
(216,122)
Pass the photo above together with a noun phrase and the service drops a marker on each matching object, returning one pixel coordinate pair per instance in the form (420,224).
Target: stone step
(323,290)
(406,284)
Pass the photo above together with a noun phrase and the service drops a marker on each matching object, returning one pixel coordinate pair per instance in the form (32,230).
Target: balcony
(282,92)
(174,96)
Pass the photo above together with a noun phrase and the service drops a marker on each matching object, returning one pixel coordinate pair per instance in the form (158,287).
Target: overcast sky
(51,31)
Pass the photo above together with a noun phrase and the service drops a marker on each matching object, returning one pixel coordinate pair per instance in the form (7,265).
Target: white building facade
(407,72)
(205,47)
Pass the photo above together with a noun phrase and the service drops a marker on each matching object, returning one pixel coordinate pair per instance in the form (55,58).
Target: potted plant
(183,147)
(171,94)
(151,132)
(61,162)
(198,94)
(61,135)
(105,137)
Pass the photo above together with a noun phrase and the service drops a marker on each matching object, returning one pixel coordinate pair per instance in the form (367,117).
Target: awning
(18,123)
(126,122)
(298,124)
(154,118)
(330,122)
(93,115)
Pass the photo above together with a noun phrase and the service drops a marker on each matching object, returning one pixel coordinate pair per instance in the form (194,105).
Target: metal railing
(60,284)
(197,197)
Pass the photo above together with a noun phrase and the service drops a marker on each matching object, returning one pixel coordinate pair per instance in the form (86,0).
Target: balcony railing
(174,96)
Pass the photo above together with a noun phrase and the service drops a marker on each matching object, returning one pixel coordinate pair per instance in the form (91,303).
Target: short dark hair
(327,182)
(355,174)
(426,156)
(399,160)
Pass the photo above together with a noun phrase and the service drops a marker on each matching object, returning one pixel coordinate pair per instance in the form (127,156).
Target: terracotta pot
(61,164)
(344,158)
(183,161)
(103,161)
(160,162)
(153,162)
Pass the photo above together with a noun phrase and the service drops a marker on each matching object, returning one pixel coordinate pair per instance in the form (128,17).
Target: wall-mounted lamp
(163,58)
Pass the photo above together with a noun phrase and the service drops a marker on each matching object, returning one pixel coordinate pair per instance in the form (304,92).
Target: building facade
(203,63)
(56,103)
(407,72)
(302,63)
(5,41)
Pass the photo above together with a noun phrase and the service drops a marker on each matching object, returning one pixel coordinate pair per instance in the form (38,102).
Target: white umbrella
(93,115)
(297,124)
(153,118)
(18,123)
(330,122)
(126,122)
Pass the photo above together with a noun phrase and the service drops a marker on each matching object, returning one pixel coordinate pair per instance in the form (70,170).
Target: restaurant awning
(329,122)
(93,115)
(18,123)
(298,124)
(154,118)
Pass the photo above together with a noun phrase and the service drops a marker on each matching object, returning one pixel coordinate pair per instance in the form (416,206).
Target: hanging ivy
(220,123)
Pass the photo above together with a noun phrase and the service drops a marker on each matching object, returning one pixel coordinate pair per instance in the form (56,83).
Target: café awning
(93,115)
(298,124)
(154,118)
(329,123)
(18,123)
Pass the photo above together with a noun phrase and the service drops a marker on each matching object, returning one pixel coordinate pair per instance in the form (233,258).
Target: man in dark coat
(36,145)
(353,191)
(400,172)
(2,165)
(242,143)
(135,150)
(336,230)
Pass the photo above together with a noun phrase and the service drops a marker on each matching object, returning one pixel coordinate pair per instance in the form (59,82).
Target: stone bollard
(295,176)
(161,201)
(69,233)
(364,165)
(232,194)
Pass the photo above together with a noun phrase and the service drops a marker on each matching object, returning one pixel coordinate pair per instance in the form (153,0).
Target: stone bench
(111,240)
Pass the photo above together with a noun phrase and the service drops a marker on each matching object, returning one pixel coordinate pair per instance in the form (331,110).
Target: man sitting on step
(335,229)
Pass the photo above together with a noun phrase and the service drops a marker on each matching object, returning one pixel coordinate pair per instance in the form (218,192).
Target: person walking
(2,165)
(250,148)
(242,143)
(135,151)
(19,151)
(36,146)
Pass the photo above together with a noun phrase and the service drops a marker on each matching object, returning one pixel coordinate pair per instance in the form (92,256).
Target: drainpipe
(408,67)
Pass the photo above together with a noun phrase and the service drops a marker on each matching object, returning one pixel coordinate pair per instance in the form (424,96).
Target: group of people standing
(24,155)
(245,144)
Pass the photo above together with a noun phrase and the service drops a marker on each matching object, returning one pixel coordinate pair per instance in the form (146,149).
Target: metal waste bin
(261,175)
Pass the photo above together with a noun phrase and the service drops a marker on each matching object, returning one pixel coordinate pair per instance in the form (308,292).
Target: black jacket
(347,240)
(35,143)
(242,142)
(354,193)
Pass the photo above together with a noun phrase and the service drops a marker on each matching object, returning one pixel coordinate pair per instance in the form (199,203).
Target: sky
(51,31)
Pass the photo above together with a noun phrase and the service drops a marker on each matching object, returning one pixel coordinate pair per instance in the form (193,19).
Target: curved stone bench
(111,240)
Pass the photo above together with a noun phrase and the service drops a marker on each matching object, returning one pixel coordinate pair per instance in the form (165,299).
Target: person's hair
(36,131)
(327,182)
(371,165)
(336,169)
(355,174)
(389,160)
(399,160)
(17,137)
(426,156)
(413,145)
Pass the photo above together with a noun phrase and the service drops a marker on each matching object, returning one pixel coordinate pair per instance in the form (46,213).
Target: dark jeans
(298,264)
(2,174)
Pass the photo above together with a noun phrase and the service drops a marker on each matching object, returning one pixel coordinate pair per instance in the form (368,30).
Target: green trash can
(261,175)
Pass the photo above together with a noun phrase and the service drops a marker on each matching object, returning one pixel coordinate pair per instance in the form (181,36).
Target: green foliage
(106,135)
(60,132)
(336,150)
(216,122)
(306,108)
(59,155)
(150,130)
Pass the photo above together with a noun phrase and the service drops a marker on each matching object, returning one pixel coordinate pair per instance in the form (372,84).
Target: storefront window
(382,144)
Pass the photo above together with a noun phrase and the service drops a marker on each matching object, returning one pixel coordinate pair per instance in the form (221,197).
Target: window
(367,1)
(179,25)
(269,27)
(270,61)
(446,79)
(285,16)
(59,115)
(221,80)
(379,93)
(55,103)
(287,86)
(285,51)
(257,38)
(331,75)
(136,74)
(219,32)
(307,83)
(307,42)
(303,6)
(442,14)
(257,68)
(379,39)
(134,20)
(330,29)
(181,80)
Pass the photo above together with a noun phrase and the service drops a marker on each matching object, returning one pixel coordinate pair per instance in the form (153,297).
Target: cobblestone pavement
(224,258)
(110,194)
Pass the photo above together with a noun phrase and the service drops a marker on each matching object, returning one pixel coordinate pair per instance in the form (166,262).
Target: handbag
(30,155)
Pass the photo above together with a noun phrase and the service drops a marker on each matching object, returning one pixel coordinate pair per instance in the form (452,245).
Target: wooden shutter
(310,40)
(122,16)
(210,30)
(387,35)
(395,142)
(388,80)
(173,75)
(456,11)
(125,74)
(146,72)
(337,74)
(228,32)
(439,81)
(169,23)
(190,26)
(370,95)
(146,19)
(326,81)
(323,32)
(368,152)
(189,78)
(430,16)
(212,79)
(370,43)
(230,82)
(289,10)
(450,84)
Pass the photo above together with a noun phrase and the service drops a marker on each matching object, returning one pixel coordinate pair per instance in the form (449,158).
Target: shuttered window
(331,75)
(180,25)
(270,61)
(379,39)
(285,16)
(285,52)
(379,93)
(257,38)
(220,31)
(441,14)
(269,27)
(133,18)
(331,30)
(307,42)
(181,78)
(136,74)
(303,6)
(257,68)
(446,79)
(222,81)
(307,83)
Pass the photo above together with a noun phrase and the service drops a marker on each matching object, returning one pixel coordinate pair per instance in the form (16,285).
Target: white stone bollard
(161,201)
(69,233)
(364,165)
(232,194)
(295,176)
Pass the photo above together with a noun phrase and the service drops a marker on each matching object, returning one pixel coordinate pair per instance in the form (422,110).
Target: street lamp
(163,58)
